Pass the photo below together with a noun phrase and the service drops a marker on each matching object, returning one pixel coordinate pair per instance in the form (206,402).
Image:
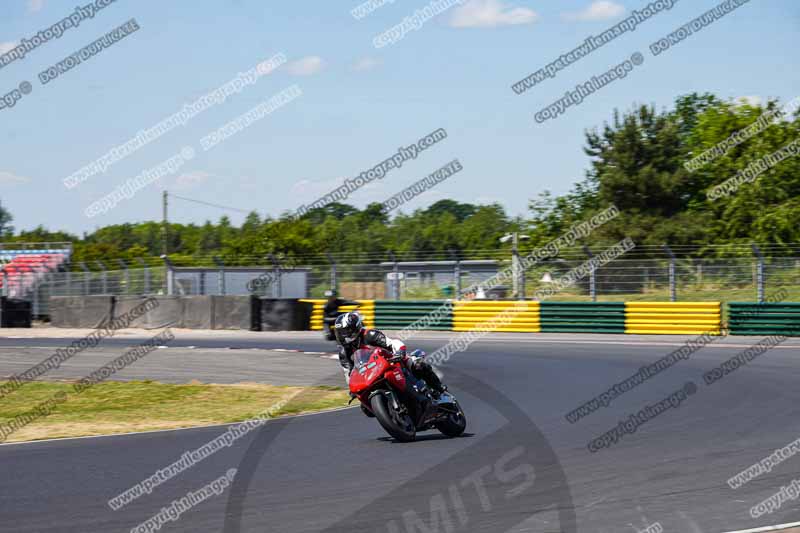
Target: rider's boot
(434,383)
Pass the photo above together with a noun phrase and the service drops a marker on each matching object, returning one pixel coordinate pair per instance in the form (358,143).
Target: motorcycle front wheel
(455,423)
(400,426)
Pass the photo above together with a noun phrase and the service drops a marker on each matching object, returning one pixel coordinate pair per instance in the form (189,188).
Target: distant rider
(330,311)
(352,335)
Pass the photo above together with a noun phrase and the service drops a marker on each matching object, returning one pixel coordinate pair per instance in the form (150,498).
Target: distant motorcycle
(327,327)
(402,403)
(331,312)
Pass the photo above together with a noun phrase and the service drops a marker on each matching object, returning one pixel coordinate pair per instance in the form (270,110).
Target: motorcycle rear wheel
(399,426)
(454,425)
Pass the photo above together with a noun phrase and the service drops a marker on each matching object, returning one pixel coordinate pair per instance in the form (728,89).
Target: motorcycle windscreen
(361,357)
(369,367)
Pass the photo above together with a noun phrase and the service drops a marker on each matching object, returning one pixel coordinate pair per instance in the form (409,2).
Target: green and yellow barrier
(751,318)
(366,310)
(642,318)
(583,317)
(400,314)
(517,317)
(673,318)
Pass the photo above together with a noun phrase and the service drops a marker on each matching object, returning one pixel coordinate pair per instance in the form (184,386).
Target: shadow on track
(500,481)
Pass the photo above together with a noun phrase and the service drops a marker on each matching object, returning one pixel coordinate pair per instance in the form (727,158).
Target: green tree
(6,229)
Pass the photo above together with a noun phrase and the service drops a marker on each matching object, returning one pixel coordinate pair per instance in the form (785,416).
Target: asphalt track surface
(521,467)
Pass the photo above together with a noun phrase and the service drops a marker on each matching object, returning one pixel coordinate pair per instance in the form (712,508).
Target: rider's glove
(398,356)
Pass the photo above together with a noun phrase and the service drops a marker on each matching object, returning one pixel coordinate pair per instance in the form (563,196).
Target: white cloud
(598,10)
(491,13)
(7,178)
(7,47)
(305,66)
(366,63)
(35,5)
(190,179)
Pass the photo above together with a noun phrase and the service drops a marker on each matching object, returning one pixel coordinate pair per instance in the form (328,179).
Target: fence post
(673,293)
(519,272)
(68,278)
(332,261)
(220,275)
(456,275)
(86,278)
(170,275)
(265,280)
(592,277)
(127,275)
(276,266)
(396,280)
(3,293)
(759,273)
(145,276)
(44,289)
(35,303)
(103,276)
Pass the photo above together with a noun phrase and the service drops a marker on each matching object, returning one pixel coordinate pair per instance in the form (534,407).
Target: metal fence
(635,279)
(166,280)
(150,280)
(637,276)
(681,279)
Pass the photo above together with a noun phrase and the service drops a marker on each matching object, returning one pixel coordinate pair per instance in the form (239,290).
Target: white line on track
(767,528)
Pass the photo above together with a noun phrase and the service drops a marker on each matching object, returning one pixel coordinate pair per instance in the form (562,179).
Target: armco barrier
(398,314)
(583,317)
(366,309)
(750,318)
(496,316)
(673,318)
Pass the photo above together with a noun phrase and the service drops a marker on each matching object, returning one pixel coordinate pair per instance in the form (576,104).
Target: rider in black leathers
(352,335)
(330,311)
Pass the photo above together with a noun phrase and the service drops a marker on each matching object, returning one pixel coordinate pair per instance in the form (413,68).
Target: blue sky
(358,103)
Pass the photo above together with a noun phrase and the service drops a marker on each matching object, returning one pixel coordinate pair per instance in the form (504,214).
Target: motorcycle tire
(454,425)
(401,427)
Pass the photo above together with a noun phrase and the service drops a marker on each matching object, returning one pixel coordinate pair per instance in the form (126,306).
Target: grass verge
(115,407)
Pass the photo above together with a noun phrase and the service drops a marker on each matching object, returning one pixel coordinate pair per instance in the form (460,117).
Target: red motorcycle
(402,403)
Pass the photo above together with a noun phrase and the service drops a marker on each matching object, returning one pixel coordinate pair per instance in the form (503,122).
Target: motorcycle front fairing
(369,367)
